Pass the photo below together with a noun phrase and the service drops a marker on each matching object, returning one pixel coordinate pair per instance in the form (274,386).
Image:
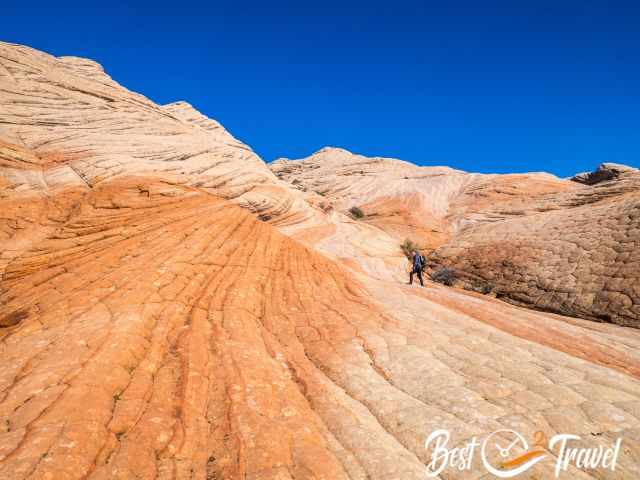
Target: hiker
(418,265)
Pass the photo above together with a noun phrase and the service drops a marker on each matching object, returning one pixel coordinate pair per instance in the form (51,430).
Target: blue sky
(481,86)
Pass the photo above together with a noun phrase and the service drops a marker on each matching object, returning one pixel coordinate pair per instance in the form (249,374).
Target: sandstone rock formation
(532,239)
(397,197)
(78,125)
(580,258)
(154,323)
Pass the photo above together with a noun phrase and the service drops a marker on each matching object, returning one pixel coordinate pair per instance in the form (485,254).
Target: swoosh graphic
(514,462)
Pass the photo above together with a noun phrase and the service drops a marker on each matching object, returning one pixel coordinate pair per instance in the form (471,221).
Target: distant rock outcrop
(397,197)
(604,172)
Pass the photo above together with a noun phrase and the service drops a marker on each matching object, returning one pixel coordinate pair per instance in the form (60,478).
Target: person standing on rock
(418,265)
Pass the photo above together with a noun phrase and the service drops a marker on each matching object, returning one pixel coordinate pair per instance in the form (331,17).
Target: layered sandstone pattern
(428,205)
(396,196)
(147,343)
(579,258)
(78,125)
(155,322)
(569,247)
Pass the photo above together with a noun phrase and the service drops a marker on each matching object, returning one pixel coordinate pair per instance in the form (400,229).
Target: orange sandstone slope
(151,326)
(163,332)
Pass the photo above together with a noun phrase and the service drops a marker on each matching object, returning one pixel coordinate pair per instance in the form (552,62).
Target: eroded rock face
(429,205)
(144,350)
(151,326)
(604,172)
(580,259)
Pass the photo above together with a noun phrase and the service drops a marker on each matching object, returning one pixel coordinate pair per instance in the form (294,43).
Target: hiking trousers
(419,272)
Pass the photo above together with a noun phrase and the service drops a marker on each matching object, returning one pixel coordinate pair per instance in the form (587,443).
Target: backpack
(423,261)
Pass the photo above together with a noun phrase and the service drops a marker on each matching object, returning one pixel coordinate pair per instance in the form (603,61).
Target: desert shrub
(326,207)
(444,275)
(356,212)
(408,247)
(480,286)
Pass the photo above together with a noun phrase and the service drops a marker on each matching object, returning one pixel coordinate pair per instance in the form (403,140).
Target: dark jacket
(417,262)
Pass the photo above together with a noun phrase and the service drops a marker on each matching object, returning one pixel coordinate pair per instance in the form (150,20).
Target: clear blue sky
(478,85)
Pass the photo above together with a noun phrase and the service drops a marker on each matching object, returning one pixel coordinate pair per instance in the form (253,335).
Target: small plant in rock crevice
(356,212)
(408,247)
